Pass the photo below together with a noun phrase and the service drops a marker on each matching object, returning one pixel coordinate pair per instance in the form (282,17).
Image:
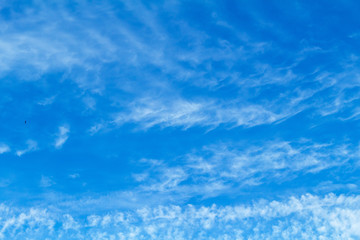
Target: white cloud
(39,52)
(148,113)
(74,175)
(46,181)
(47,101)
(63,135)
(96,128)
(68,222)
(170,178)
(154,45)
(31,146)
(220,168)
(4,148)
(89,102)
(304,217)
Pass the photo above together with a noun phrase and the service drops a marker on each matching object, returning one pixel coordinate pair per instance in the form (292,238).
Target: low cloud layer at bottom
(305,217)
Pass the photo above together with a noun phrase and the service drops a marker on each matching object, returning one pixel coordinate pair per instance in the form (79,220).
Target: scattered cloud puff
(305,217)
(4,148)
(74,175)
(46,182)
(62,137)
(31,146)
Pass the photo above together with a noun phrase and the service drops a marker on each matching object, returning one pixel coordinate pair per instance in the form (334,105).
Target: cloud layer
(328,217)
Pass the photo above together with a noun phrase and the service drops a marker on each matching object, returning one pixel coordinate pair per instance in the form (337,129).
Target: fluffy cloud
(4,148)
(305,217)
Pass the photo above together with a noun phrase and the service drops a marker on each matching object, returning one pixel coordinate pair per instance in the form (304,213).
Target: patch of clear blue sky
(180,75)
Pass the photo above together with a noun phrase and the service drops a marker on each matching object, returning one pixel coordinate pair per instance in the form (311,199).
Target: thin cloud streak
(31,146)
(221,168)
(182,113)
(63,135)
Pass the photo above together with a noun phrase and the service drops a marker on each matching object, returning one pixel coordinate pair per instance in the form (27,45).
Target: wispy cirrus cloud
(31,146)
(214,65)
(192,55)
(220,168)
(62,137)
(47,101)
(147,113)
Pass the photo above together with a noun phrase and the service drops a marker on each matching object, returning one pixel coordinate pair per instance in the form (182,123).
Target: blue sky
(179,119)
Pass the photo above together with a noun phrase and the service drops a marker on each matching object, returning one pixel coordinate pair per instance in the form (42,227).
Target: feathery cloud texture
(172,119)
